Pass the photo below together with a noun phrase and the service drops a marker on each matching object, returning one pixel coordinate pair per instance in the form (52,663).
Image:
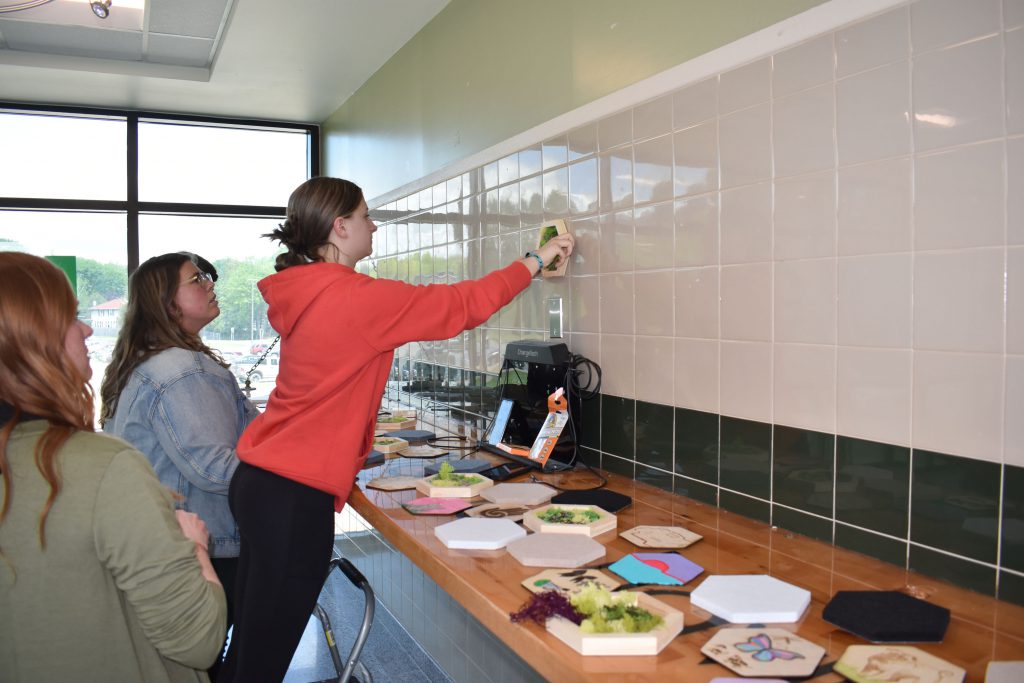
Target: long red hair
(37,377)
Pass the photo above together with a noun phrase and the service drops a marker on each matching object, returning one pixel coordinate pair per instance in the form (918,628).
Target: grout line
(982,563)
(913,267)
(1006,298)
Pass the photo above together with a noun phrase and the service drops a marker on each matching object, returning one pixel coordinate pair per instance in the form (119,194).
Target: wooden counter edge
(522,640)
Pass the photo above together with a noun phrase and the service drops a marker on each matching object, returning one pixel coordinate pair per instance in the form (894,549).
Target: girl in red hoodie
(300,458)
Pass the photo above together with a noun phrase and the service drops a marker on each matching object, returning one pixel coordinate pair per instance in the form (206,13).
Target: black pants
(287,532)
(226,569)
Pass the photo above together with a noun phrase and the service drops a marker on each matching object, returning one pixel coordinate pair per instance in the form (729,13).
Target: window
(112,188)
(63,157)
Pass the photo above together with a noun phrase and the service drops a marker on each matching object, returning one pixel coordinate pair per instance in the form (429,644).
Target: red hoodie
(339,330)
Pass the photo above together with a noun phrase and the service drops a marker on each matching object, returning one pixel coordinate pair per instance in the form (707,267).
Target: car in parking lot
(267,370)
(261,345)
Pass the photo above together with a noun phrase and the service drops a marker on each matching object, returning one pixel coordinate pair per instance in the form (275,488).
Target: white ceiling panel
(197,18)
(76,41)
(291,61)
(178,50)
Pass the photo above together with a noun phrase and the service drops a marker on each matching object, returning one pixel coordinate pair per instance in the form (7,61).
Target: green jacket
(117,595)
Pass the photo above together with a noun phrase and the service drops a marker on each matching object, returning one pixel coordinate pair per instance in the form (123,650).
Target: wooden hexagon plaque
(395,422)
(764,652)
(397,483)
(661,536)
(555,550)
(526,494)
(387,444)
(475,484)
(585,520)
(650,643)
(871,663)
(568,580)
(513,513)
(479,534)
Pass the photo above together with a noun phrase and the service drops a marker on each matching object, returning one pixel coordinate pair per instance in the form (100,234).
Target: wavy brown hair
(36,375)
(152,323)
(312,208)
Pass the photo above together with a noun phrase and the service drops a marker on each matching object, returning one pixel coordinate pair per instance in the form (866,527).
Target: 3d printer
(531,372)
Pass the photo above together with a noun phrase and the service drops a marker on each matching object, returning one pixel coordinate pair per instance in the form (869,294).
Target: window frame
(132,207)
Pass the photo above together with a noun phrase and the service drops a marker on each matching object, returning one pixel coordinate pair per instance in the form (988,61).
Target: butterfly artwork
(764,652)
(760,648)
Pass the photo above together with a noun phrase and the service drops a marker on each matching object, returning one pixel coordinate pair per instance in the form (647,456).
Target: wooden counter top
(487,584)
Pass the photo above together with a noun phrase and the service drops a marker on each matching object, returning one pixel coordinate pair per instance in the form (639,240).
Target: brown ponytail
(312,208)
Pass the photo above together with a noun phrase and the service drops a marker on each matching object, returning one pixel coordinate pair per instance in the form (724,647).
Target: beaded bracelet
(540,261)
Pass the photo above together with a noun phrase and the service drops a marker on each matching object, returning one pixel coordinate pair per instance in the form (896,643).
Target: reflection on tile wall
(801,277)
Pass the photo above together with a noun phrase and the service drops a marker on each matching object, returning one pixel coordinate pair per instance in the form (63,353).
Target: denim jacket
(185,413)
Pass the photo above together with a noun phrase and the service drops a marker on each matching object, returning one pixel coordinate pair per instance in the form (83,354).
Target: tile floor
(390,654)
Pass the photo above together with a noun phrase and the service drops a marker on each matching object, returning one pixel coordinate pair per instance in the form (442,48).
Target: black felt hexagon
(887,617)
(609,501)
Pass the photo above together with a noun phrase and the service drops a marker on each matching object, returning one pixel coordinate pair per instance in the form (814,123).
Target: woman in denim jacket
(172,397)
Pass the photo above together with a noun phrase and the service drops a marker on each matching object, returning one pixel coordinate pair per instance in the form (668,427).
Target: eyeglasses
(200,278)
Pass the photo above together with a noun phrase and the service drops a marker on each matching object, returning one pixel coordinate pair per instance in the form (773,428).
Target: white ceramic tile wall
(828,237)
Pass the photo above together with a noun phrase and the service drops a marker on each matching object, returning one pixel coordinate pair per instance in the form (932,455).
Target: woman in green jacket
(100,579)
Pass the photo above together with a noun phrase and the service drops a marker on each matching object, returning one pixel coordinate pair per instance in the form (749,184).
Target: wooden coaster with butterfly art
(568,580)
(764,652)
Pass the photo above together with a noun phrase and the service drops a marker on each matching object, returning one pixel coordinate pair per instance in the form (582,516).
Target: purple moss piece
(546,604)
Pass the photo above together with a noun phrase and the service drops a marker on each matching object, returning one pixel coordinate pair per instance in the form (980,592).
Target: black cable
(447,443)
(585,391)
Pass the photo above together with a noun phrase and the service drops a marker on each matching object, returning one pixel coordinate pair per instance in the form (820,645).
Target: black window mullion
(190,209)
(313,152)
(132,218)
(50,204)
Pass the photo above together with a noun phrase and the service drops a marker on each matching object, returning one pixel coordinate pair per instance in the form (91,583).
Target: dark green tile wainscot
(746,506)
(803,472)
(746,457)
(955,504)
(618,426)
(1013,517)
(873,485)
(654,477)
(806,525)
(698,490)
(654,435)
(697,444)
(864,542)
(964,573)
